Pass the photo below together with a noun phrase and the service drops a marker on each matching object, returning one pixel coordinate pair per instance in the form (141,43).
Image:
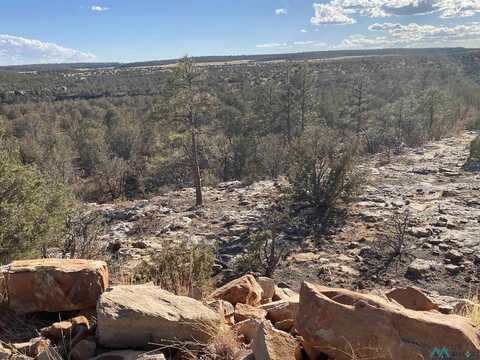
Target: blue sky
(40,31)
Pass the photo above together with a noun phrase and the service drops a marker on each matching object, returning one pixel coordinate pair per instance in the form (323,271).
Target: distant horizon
(207,56)
(126,31)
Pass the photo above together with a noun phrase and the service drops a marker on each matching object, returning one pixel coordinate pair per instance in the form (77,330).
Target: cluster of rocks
(268,322)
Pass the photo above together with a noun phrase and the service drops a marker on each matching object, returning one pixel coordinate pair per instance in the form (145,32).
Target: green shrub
(33,209)
(263,254)
(323,169)
(179,267)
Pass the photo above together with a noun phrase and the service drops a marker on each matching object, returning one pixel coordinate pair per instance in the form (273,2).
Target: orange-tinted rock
(339,323)
(244,312)
(243,290)
(32,348)
(54,285)
(284,325)
(268,287)
(280,310)
(57,331)
(246,329)
(412,298)
(284,294)
(272,344)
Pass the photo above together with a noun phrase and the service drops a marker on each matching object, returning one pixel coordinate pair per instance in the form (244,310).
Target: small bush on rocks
(323,169)
(263,254)
(179,267)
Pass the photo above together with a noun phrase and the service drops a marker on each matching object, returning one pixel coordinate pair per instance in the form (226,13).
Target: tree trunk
(197,179)
(289,105)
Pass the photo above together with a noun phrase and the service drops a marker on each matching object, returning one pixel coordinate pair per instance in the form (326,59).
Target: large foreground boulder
(344,325)
(54,285)
(139,316)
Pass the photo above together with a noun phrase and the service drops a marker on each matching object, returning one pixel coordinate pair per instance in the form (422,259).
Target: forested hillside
(112,132)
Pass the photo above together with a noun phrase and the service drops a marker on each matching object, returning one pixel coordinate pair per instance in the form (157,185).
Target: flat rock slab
(54,285)
(141,316)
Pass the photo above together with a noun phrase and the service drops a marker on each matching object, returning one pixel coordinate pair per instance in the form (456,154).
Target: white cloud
(303,31)
(303,43)
(414,35)
(271,45)
(330,14)
(290,45)
(387,8)
(15,50)
(281,12)
(99,8)
(416,32)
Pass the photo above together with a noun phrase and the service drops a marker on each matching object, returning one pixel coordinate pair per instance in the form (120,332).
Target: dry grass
(224,345)
(18,328)
(471,308)
(179,267)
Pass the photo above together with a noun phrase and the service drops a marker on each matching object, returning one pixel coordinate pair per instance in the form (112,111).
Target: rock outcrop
(342,324)
(138,316)
(54,285)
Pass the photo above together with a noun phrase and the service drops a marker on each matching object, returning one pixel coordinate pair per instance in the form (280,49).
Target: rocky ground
(441,253)
(68,308)
(429,182)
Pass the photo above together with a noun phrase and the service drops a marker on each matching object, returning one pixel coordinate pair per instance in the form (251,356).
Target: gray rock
(137,316)
(454,256)
(419,268)
(453,269)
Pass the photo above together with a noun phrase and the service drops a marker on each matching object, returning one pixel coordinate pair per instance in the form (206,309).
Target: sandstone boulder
(244,312)
(285,294)
(32,348)
(136,316)
(4,353)
(57,331)
(54,285)
(272,344)
(225,309)
(342,323)
(280,310)
(243,290)
(284,325)
(412,298)
(268,287)
(246,329)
